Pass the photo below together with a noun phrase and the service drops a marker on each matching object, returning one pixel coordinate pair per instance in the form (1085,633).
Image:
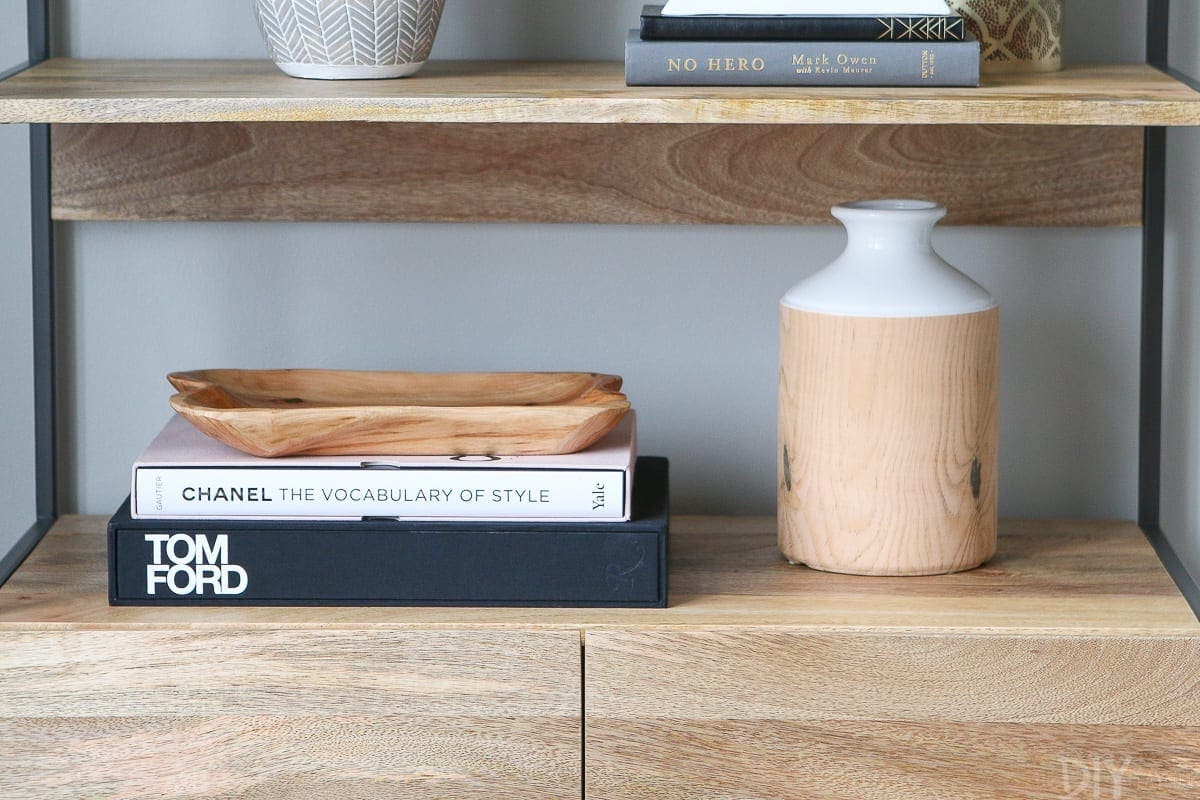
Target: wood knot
(787,469)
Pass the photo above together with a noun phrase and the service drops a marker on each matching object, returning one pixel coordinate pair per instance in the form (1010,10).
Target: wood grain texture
(893,677)
(265,714)
(270,413)
(687,714)
(1068,577)
(265,757)
(831,760)
(644,174)
(889,442)
(66,90)
(1070,651)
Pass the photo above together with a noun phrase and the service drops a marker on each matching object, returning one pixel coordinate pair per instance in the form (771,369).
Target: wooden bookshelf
(1074,138)
(74,91)
(606,174)
(1071,577)
(1072,647)
(1070,661)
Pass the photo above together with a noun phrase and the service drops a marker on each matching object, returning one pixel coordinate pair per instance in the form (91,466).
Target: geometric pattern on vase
(349,32)
(1015,32)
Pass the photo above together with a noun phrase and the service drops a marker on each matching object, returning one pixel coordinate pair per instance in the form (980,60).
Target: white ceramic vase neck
(889,268)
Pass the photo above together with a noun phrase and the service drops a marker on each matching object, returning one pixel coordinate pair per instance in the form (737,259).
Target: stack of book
(801,43)
(209,525)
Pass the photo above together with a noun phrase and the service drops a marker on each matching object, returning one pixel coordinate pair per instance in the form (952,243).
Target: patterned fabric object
(359,35)
(1016,35)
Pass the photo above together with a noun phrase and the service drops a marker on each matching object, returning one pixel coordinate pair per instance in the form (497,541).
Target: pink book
(184,474)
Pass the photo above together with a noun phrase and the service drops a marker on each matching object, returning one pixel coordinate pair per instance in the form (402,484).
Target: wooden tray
(323,412)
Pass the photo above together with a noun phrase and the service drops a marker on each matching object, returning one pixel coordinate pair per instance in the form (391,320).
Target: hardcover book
(943,28)
(185,474)
(825,8)
(318,562)
(690,63)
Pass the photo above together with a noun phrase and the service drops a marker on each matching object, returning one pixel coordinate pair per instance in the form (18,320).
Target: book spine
(800,64)
(257,564)
(434,494)
(848,29)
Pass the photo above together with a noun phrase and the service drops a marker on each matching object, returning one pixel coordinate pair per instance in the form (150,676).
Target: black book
(161,562)
(943,28)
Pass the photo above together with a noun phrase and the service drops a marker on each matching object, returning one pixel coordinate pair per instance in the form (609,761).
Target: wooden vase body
(888,437)
(888,432)
(888,404)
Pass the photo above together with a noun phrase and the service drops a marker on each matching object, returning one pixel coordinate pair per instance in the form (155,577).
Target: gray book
(713,63)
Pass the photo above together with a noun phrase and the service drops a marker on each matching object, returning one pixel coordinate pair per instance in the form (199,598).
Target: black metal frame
(44,347)
(1154,220)
(1153,263)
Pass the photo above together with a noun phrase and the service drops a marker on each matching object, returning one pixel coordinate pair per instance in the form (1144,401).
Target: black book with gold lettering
(757,28)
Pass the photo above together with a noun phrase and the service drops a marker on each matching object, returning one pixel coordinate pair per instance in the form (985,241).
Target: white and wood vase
(888,404)
(349,39)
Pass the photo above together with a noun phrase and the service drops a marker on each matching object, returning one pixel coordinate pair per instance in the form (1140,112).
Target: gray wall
(1110,30)
(687,314)
(1181,468)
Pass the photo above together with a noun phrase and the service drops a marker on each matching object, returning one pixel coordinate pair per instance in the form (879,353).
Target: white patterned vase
(349,39)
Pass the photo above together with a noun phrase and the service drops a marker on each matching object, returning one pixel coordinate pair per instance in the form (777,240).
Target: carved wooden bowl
(273,413)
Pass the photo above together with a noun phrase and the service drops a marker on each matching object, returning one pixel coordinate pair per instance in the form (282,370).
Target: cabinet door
(841,716)
(295,713)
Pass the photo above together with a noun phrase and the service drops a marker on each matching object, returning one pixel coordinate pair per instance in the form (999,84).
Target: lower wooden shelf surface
(1067,667)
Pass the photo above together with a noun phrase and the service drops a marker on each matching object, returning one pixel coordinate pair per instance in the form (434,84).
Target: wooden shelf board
(1051,577)
(623,174)
(69,90)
